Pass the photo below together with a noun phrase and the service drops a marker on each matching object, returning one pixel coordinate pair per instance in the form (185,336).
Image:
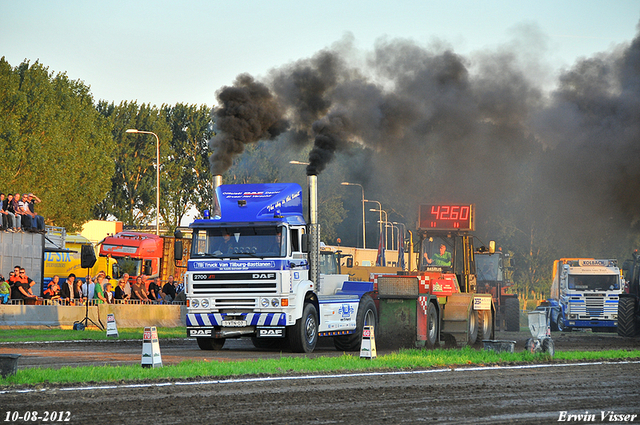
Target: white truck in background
(584,294)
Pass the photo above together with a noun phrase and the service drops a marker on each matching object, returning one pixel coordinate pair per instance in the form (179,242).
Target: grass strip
(34,335)
(409,359)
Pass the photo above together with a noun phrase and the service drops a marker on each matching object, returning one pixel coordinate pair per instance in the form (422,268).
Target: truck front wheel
(210,343)
(557,323)
(367,316)
(303,336)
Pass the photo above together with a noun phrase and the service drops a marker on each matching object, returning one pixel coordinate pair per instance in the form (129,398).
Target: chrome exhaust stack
(216,212)
(314,231)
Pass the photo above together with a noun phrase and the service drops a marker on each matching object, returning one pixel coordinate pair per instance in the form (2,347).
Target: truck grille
(591,307)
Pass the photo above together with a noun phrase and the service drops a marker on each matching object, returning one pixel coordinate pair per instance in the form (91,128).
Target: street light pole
(380,214)
(133,130)
(364,229)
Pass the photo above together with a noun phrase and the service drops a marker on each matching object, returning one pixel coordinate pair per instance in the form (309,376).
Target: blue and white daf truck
(584,294)
(255,270)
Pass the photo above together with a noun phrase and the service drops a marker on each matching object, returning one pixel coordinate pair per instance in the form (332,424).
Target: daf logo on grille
(263,276)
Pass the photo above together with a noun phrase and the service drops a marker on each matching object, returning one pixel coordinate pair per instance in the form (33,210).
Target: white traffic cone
(368,345)
(151,348)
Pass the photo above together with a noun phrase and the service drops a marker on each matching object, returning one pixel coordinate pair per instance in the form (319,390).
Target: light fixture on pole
(364,229)
(133,130)
(404,231)
(294,162)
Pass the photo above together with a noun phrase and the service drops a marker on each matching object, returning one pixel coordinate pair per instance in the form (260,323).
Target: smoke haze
(442,127)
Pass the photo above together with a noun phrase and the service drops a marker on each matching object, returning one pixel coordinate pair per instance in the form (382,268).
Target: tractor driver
(442,259)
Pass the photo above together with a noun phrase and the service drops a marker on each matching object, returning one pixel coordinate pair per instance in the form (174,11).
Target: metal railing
(92,302)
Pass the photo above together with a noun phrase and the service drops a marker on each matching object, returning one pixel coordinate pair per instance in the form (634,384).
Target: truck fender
(303,292)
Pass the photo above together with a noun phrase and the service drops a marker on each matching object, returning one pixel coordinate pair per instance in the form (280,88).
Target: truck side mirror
(147,268)
(305,242)
(177,250)
(177,234)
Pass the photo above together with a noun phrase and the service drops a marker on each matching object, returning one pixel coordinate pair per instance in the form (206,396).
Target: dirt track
(466,395)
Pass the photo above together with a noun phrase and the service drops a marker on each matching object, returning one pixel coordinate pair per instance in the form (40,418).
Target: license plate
(234,323)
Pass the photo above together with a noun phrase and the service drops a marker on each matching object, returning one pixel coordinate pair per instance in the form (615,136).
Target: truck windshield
(593,282)
(226,242)
(132,266)
(488,267)
(328,263)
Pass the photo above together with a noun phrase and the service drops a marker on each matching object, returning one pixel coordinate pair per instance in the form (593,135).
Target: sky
(169,52)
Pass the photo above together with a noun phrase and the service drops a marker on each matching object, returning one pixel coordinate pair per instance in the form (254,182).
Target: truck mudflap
(236,320)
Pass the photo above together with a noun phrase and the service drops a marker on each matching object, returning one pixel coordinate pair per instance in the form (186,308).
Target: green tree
(186,180)
(133,186)
(53,143)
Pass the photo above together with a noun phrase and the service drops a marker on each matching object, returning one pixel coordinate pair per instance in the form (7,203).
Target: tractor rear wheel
(627,323)
(512,314)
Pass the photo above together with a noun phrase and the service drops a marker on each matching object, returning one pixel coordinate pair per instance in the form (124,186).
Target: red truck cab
(135,253)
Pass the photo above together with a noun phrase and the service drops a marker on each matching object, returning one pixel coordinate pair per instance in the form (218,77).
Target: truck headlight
(205,303)
(195,303)
(264,302)
(275,302)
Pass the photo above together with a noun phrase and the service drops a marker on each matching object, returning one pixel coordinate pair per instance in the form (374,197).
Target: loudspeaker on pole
(87,256)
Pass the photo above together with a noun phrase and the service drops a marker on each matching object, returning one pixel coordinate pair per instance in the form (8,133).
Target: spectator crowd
(93,290)
(18,213)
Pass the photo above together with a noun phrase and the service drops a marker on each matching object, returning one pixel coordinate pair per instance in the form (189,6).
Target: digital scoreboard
(446,217)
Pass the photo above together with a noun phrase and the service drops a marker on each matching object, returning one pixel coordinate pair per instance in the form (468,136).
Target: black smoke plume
(248,113)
